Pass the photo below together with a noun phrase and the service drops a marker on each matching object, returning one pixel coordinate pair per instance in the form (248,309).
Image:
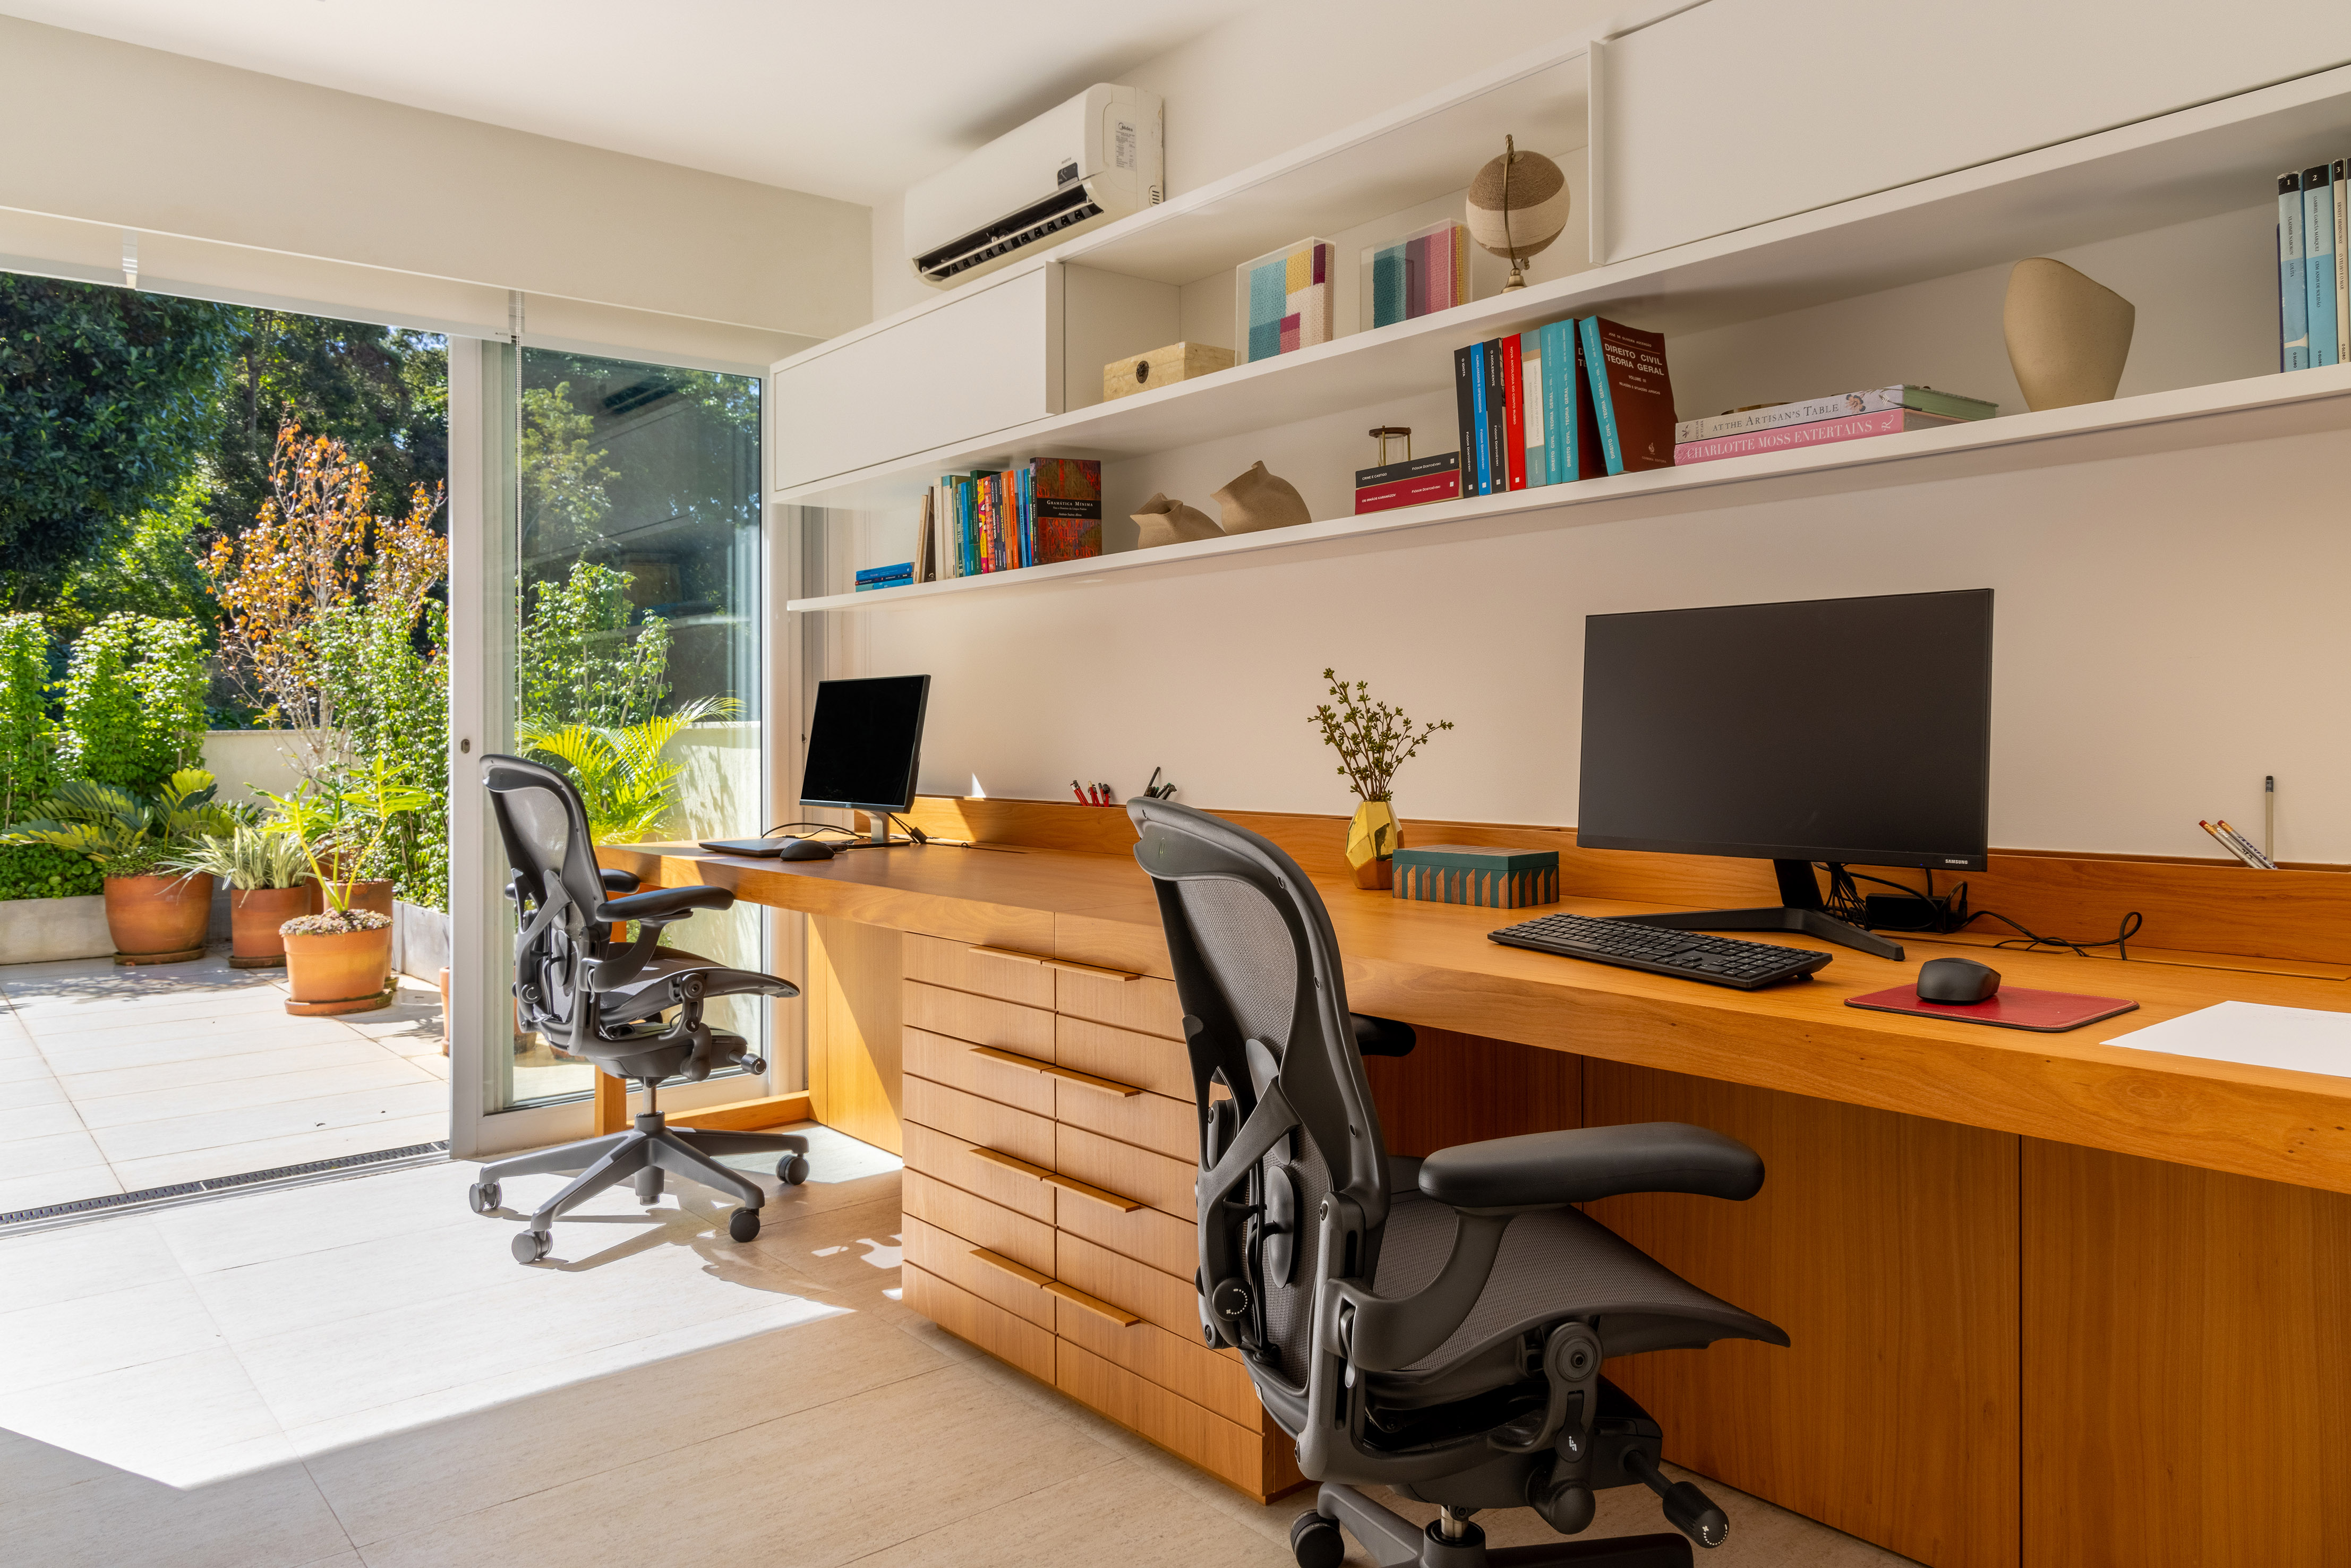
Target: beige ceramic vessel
(2068,336)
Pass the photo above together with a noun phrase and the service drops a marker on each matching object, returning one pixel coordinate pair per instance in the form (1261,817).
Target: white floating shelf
(2259,409)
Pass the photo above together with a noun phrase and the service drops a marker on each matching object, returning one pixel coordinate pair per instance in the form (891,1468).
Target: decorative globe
(1518,205)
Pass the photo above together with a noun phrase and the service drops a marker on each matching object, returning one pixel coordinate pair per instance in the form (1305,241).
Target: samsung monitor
(865,745)
(1839,730)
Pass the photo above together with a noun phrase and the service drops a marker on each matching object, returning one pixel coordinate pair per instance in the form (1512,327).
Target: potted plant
(1373,741)
(156,916)
(269,883)
(339,960)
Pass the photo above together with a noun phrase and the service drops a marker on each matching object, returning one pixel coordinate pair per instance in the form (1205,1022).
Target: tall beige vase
(2067,337)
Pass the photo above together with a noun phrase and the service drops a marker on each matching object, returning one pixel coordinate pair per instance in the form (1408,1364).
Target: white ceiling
(850,98)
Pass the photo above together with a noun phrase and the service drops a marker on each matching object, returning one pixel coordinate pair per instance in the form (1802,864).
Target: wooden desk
(2054,1302)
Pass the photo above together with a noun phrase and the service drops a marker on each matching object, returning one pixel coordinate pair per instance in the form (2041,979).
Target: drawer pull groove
(1019,1272)
(1071,965)
(1018,1168)
(1111,1199)
(1093,1304)
(1010,954)
(1088,1081)
(1010,1058)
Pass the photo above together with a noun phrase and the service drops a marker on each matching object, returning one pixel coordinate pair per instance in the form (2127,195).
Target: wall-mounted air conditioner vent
(1092,160)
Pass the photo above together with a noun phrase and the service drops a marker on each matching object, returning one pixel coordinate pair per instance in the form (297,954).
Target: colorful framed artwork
(1282,300)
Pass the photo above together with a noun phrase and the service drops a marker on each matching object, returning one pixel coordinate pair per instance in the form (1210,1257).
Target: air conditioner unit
(1091,161)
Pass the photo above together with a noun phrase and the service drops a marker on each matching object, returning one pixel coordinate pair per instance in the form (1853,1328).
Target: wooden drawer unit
(985,1123)
(1051,1151)
(939,961)
(1004,1335)
(951,1258)
(980,1070)
(1159,1181)
(1026,1241)
(958,1164)
(979,1020)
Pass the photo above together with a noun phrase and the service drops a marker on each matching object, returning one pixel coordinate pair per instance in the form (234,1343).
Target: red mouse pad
(2043,1012)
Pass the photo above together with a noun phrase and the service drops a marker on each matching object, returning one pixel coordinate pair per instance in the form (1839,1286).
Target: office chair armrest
(1381,1037)
(1543,1170)
(663,904)
(621,881)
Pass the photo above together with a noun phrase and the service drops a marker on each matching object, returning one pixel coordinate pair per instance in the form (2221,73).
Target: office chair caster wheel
(743,1224)
(531,1246)
(1315,1541)
(649,1186)
(793,1169)
(483,1197)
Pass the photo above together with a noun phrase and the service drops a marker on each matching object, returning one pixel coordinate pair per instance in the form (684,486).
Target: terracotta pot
(366,893)
(254,913)
(338,967)
(153,915)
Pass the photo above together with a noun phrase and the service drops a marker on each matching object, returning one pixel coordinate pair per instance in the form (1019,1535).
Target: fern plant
(28,742)
(128,833)
(622,775)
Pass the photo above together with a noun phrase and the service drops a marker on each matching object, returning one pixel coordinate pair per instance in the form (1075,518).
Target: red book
(1514,412)
(1818,434)
(1413,492)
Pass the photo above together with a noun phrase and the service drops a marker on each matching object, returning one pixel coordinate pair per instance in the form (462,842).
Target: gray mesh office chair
(1437,1326)
(602,1001)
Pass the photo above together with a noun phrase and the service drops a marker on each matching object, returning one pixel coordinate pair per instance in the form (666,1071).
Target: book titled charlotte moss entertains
(1878,400)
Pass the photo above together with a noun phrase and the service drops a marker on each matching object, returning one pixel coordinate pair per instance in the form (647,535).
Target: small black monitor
(866,743)
(1845,730)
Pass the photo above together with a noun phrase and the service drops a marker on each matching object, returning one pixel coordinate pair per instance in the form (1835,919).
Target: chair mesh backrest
(1258,974)
(544,826)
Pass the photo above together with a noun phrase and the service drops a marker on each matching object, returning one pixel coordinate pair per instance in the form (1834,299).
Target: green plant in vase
(339,960)
(132,837)
(269,883)
(1373,740)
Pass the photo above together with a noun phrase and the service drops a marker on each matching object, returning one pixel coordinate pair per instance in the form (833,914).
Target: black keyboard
(1688,955)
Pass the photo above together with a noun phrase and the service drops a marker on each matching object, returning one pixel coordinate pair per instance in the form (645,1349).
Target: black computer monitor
(1844,730)
(865,745)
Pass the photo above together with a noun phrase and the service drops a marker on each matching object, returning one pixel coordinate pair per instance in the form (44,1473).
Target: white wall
(2168,625)
(135,138)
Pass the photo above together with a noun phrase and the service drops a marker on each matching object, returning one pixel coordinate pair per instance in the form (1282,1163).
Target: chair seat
(1553,1264)
(649,993)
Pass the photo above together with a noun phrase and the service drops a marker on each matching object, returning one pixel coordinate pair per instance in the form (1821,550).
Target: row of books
(2314,252)
(1817,422)
(1045,510)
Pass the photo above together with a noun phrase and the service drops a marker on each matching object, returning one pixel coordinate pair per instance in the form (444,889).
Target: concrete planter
(420,940)
(43,930)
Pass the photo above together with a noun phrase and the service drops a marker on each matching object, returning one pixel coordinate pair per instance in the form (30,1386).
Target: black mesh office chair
(601,1001)
(1437,1326)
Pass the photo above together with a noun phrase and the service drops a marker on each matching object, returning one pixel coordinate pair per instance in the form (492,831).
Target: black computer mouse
(818,849)
(1961,981)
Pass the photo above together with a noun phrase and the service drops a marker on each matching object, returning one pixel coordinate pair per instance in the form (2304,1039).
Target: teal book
(1558,357)
(2318,199)
(1596,379)
(2293,295)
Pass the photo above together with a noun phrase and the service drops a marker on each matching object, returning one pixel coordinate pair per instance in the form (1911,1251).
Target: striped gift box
(1493,878)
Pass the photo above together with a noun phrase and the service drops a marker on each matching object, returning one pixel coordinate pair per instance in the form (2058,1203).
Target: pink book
(1819,434)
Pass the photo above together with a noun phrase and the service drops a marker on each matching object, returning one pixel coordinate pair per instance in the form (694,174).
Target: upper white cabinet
(1739,111)
(977,362)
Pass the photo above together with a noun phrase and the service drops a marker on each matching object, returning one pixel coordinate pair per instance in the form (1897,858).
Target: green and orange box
(1495,878)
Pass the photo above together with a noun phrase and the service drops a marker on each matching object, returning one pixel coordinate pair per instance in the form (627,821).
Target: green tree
(107,399)
(577,659)
(147,568)
(28,740)
(134,702)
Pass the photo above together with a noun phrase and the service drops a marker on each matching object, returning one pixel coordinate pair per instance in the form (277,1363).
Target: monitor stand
(877,836)
(1800,910)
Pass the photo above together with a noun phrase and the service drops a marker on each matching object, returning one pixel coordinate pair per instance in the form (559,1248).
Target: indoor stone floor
(357,1374)
(117,1080)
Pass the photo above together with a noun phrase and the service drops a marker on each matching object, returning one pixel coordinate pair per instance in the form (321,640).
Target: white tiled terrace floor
(116,1080)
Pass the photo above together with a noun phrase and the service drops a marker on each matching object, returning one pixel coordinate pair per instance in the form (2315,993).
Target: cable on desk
(1949,912)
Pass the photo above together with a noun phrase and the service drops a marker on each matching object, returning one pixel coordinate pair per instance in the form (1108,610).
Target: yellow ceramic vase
(1373,839)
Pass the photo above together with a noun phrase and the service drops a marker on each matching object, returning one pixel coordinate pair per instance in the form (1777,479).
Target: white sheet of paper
(2256,1034)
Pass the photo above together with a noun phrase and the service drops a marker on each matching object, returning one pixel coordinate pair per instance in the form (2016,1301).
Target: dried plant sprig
(1373,739)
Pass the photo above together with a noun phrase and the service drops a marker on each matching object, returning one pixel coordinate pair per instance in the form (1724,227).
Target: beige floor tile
(161,1045)
(26,1064)
(337,1049)
(1116,1515)
(837,1482)
(241,1156)
(379,1070)
(95,1260)
(54,1151)
(416,1477)
(187,1421)
(88,1334)
(229,1019)
(249,1125)
(23,1090)
(35,1122)
(241,1231)
(24,1192)
(107,1518)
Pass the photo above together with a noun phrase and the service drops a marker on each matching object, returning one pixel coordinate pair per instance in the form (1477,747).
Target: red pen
(1079,793)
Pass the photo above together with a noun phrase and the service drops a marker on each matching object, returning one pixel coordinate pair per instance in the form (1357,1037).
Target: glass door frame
(485,399)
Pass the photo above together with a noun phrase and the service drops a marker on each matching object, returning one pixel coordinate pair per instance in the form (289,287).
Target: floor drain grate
(25,1220)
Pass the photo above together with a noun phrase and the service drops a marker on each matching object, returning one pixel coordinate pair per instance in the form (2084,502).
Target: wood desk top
(1431,965)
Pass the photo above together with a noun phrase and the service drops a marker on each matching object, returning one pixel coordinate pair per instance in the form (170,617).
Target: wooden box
(1175,362)
(1471,873)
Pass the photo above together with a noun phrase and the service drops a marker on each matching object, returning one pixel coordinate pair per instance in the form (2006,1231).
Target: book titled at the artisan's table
(1492,876)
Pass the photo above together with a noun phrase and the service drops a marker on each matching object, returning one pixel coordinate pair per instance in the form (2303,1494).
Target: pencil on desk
(2258,860)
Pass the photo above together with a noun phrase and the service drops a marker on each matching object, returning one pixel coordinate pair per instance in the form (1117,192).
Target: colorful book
(2318,260)
(1580,455)
(1065,509)
(2293,291)
(1558,436)
(1465,407)
(1514,413)
(1484,446)
(1875,400)
(874,577)
(1497,415)
(1820,433)
(1530,400)
(1408,484)
(1632,395)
